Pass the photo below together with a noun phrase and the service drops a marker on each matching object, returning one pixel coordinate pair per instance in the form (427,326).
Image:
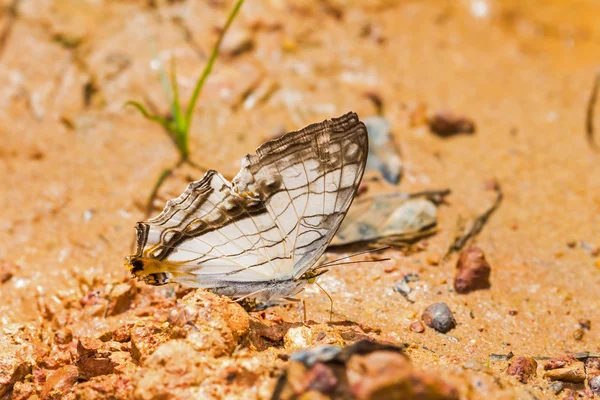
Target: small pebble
(439,317)
(578,334)
(522,368)
(512,312)
(417,326)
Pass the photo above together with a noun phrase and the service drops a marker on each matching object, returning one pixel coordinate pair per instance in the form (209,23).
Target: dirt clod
(522,368)
(594,384)
(559,362)
(592,366)
(473,271)
(386,375)
(320,378)
(15,363)
(60,382)
(439,317)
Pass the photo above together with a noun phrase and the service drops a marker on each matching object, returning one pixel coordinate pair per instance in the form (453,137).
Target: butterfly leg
(303,310)
(330,301)
(303,307)
(301,301)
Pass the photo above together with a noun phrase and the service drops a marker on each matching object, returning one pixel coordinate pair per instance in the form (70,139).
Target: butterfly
(261,235)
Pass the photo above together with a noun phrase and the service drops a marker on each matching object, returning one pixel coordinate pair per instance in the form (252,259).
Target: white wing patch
(271,223)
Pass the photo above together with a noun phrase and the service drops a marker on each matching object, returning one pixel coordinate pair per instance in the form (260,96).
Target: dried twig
(461,240)
(589,115)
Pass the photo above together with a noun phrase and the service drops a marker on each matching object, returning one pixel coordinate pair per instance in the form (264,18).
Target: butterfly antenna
(355,254)
(350,262)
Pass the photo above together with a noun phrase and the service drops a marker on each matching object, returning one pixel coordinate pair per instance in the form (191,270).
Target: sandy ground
(76,168)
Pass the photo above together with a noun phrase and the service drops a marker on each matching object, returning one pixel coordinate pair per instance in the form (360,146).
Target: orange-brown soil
(76,169)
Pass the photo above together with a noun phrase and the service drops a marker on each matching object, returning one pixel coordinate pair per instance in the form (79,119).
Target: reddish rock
(60,383)
(417,326)
(592,366)
(574,373)
(23,391)
(263,336)
(122,333)
(88,346)
(559,362)
(145,339)
(15,363)
(523,368)
(105,387)
(320,378)
(58,357)
(446,123)
(173,371)
(122,362)
(93,358)
(594,384)
(63,336)
(473,271)
(389,375)
(219,324)
(95,366)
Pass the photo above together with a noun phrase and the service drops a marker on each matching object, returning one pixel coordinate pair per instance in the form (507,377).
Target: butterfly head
(311,276)
(147,270)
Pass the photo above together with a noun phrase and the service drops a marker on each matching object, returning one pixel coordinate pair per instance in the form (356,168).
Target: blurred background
(76,166)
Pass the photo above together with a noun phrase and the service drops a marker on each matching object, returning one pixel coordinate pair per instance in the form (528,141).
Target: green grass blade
(156,118)
(209,65)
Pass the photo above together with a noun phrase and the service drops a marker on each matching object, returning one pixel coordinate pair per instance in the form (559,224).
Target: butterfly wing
(272,223)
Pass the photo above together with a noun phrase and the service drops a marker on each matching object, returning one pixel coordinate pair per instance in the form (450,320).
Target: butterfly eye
(137,264)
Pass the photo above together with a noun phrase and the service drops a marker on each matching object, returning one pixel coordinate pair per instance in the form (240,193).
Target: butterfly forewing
(272,223)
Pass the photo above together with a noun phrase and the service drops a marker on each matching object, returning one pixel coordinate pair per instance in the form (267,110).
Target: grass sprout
(178,124)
